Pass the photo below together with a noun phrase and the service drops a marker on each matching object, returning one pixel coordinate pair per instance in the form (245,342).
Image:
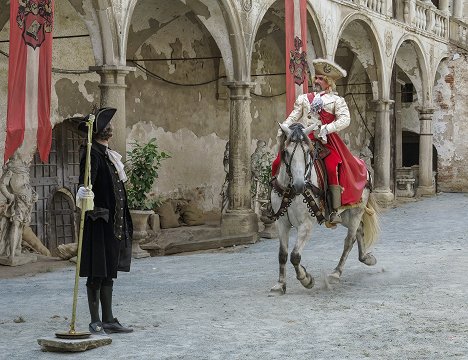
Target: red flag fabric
(29,75)
(296,50)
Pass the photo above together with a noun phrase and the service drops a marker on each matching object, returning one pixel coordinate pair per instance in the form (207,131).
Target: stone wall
(449,126)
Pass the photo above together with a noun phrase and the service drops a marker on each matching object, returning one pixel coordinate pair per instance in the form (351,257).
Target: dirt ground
(216,305)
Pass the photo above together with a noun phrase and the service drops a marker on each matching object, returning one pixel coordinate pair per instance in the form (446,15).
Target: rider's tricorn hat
(328,68)
(102,117)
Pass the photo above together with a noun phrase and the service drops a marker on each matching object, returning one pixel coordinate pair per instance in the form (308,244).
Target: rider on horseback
(347,175)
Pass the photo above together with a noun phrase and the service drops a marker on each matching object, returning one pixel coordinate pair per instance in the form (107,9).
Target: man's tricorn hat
(328,68)
(103,117)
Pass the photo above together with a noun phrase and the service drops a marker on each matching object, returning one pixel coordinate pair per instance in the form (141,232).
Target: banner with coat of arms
(29,74)
(297,69)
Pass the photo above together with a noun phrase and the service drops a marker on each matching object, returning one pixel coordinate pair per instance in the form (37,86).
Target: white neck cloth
(115,158)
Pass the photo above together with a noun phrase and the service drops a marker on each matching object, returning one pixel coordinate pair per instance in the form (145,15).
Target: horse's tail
(370,220)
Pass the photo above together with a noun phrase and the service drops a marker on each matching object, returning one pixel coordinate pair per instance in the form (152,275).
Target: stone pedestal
(18,260)
(243,223)
(140,231)
(383,197)
(270,231)
(68,345)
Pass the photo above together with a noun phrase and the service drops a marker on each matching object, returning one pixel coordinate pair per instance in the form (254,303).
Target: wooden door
(53,216)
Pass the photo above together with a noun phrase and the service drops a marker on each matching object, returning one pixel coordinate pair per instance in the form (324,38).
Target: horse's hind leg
(365,258)
(347,247)
(280,287)
(303,234)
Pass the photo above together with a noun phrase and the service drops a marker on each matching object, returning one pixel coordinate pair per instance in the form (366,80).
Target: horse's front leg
(303,235)
(280,287)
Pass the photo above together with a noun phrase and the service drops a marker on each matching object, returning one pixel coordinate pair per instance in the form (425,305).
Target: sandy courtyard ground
(215,305)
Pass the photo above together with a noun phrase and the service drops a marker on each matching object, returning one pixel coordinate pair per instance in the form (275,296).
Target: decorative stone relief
(247,5)
(388,42)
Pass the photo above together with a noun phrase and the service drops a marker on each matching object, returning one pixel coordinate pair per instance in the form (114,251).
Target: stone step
(192,238)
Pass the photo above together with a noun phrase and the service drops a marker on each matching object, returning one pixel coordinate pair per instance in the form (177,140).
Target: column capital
(425,110)
(239,90)
(383,104)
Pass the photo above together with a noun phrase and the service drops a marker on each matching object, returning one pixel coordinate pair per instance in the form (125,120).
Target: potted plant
(144,161)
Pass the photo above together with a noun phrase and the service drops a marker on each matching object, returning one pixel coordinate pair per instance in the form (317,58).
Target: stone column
(444,5)
(398,133)
(113,95)
(426,186)
(458,9)
(240,220)
(382,153)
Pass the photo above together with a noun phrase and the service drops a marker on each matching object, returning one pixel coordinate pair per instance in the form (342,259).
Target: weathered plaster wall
(449,125)
(410,117)
(268,95)
(358,96)
(72,94)
(189,112)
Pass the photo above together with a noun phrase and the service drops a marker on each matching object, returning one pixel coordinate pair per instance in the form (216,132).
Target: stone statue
(225,188)
(366,154)
(20,198)
(260,164)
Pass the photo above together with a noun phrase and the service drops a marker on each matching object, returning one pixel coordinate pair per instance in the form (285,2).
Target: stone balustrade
(421,15)
(458,33)
(426,17)
(378,6)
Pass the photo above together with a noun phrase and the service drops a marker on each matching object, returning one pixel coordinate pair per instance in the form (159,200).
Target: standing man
(108,229)
(347,174)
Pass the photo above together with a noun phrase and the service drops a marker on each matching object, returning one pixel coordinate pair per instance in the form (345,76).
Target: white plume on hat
(328,68)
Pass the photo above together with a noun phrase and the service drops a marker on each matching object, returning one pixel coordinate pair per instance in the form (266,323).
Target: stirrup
(335,218)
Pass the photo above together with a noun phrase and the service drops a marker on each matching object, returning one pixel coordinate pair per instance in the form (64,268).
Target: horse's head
(296,155)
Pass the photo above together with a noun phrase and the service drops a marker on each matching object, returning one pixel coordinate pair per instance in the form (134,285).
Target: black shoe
(96,328)
(115,327)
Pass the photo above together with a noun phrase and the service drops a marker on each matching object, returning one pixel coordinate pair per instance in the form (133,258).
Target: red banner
(29,75)
(297,68)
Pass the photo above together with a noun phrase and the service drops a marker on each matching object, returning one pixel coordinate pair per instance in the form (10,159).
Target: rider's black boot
(335,191)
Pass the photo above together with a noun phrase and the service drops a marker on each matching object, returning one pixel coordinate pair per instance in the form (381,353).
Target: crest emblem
(298,65)
(35,18)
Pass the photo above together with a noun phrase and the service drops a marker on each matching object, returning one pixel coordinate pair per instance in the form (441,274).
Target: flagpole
(86,205)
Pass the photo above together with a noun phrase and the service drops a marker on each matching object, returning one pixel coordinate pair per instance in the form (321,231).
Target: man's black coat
(107,237)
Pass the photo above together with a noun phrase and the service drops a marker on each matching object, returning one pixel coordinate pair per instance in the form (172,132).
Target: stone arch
(417,72)
(371,58)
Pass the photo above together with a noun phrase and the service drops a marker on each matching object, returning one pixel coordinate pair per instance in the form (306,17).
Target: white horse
(296,202)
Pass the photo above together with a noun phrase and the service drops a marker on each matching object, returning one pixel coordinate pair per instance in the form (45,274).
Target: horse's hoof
(278,289)
(334,277)
(369,259)
(308,281)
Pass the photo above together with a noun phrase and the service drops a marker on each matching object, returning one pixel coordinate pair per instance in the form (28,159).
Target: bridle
(307,152)
(286,191)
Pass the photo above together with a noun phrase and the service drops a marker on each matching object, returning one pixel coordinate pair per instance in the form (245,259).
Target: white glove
(84,192)
(84,197)
(323,133)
